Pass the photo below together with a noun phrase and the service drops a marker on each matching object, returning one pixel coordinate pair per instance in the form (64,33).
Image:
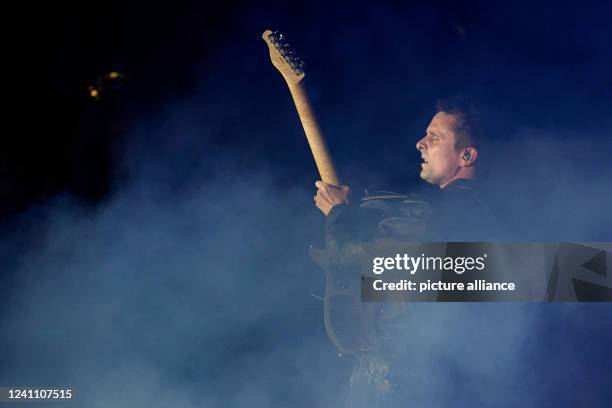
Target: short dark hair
(469,126)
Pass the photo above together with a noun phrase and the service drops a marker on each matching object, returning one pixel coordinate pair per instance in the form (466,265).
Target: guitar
(292,69)
(341,306)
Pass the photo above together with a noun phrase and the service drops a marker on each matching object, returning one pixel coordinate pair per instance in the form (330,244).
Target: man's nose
(421,145)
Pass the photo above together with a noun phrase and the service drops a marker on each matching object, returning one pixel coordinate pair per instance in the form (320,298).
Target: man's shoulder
(464,210)
(467,191)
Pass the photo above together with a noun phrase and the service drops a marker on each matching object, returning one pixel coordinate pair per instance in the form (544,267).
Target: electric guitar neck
(292,70)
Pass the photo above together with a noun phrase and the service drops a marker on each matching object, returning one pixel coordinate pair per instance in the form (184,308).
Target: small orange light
(93,93)
(114,75)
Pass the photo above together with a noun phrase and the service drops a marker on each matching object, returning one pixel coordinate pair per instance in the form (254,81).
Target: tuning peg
(273,37)
(277,35)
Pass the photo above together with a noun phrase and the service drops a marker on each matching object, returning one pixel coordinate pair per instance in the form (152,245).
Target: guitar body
(342,309)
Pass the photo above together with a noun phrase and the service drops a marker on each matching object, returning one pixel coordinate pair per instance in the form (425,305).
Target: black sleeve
(346,229)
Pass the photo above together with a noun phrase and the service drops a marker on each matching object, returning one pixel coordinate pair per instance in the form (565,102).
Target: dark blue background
(154,241)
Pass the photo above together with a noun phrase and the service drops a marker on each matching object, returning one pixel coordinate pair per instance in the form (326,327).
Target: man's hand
(329,196)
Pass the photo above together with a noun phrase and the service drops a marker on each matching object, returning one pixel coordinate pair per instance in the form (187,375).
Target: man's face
(437,147)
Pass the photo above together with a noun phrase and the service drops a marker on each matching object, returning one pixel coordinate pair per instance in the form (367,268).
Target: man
(447,152)
(450,153)
(450,156)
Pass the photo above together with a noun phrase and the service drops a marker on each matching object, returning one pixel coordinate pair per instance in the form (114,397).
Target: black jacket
(458,212)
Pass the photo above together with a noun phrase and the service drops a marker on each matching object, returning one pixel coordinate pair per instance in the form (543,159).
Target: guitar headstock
(283,58)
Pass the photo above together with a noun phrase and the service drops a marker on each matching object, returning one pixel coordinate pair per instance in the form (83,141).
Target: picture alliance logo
(412,264)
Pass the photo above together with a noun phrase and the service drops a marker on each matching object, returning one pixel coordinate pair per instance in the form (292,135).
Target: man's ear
(468,157)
